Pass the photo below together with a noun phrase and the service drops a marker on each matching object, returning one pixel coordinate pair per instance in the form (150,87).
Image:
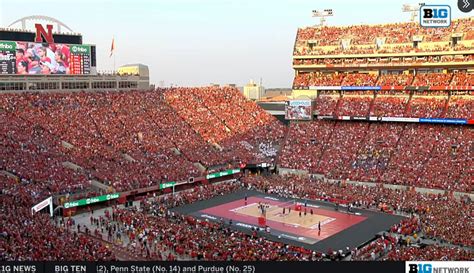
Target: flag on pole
(112,47)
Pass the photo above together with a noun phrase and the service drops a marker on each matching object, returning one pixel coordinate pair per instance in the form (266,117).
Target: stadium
(371,158)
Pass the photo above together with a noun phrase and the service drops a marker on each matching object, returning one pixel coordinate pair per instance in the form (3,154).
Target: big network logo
(420,268)
(435,16)
(439,267)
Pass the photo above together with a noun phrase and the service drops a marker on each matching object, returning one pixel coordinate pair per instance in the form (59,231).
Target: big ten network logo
(420,268)
(435,16)
(439,267)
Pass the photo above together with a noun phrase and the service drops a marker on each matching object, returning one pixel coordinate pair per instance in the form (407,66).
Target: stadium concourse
(77,145)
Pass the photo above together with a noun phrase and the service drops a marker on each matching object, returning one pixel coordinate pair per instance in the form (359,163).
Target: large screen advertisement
(298,110)
(26,58)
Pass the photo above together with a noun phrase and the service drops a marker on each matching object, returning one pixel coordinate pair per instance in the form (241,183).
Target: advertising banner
(223,173)
(92,200)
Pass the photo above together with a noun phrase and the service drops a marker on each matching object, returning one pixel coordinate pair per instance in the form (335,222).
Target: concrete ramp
(128,157)
(199,166)
(72,166)
(67,145)
(96,184)
(10,175)
(217,146)
(176,151)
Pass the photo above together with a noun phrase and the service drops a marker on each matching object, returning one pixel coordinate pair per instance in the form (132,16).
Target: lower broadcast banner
(201,267)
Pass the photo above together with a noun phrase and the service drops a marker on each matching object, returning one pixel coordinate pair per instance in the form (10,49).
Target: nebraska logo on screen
(41,33)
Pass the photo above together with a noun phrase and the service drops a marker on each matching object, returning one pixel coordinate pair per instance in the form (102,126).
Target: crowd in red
(318,79)
(362,61)
(389,106)
(431,156)
(130,140)
(159,234)
(222,116)
(394,80)
(27,237)
(429,253)
(439,216)
(362,79)
(394,33)
(392,248)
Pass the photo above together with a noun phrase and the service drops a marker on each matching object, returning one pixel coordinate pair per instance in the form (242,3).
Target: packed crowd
(318,79)
(361,79)
(222,116)
(155,232)
(431,156)
(394,33)
(463,79)
(420,105)
(461,107)
(133,139)
(393,248)
(27,237)
(427,106)
(429,253)
(341,61)
(390,106)
(439,216)
(351,105)
(432,79)
(394,80)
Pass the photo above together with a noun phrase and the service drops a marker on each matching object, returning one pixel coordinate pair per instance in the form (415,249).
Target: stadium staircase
(325,145)
(338,104)
(407,106)
(277,159)
(121,253)
(394,150)
(372,105)
(446,106)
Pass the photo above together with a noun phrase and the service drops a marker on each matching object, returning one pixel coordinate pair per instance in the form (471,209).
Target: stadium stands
(329,38)
(36,238)
(129,140)
(59,144)
(389,153)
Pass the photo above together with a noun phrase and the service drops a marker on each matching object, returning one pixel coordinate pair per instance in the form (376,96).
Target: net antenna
(322,15)
(413,9)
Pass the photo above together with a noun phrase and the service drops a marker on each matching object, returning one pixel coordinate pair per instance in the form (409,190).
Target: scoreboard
(28,58)
(80,62)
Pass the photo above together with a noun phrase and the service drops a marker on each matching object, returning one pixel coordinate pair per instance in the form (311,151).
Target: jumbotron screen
(298,110)
(27,58)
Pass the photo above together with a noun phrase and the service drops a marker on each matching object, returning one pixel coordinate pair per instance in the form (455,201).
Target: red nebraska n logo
(41,33)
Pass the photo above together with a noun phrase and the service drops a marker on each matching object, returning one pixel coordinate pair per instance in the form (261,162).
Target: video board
(298,110)
(27,58)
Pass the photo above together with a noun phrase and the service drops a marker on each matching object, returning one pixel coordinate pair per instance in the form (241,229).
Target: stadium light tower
(322,15)
(413,9)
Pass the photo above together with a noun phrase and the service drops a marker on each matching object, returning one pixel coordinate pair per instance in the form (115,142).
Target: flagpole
(114,52)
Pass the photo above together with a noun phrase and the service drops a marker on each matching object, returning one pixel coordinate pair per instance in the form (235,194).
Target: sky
(197,42)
